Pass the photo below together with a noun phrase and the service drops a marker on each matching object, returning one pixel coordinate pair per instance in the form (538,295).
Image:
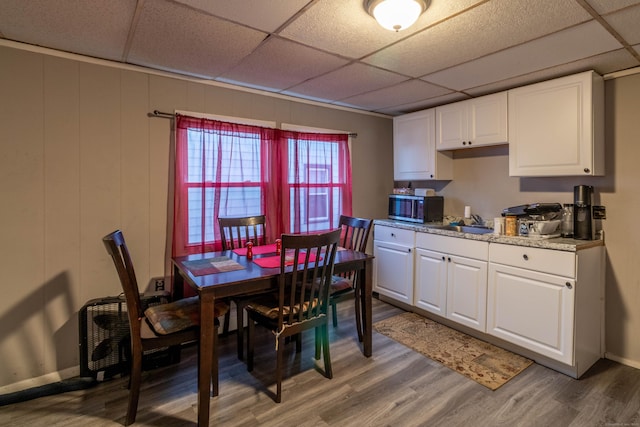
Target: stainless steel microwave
(416,208)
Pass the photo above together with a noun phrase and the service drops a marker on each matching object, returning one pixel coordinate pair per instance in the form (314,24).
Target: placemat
(202,267)
(257,250)
(274,261)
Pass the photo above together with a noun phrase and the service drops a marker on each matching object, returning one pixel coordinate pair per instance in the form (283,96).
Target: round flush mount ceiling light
(395,15)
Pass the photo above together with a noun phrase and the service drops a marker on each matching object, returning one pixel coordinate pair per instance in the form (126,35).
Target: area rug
(480,361)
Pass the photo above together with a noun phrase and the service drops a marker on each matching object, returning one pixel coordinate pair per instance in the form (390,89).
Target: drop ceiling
(332,51)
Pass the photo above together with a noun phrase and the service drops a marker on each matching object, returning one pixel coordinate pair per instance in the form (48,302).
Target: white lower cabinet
(451,278)
(533,310)
(431,281)
(393,263)
(548,301)
(545,304)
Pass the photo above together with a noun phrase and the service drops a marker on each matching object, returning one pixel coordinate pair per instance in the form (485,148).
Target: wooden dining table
(227,273)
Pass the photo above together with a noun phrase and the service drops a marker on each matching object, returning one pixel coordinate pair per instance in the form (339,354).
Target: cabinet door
(531,309)
(451,126)
(472,123)
(556,127)
(487,121)
(430,292)
(393,271)
(467,291)
(413,146)
(414,151)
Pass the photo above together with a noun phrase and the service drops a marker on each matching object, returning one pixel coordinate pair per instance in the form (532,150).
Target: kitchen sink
(473,229)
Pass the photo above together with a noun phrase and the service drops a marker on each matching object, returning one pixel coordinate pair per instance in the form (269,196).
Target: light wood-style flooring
(395,387)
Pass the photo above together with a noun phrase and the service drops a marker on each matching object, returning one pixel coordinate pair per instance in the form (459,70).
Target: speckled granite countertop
(558,243)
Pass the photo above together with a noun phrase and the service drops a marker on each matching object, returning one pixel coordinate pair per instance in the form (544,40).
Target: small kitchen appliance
(419,209)
(585,213)
(546,210)
(540,220)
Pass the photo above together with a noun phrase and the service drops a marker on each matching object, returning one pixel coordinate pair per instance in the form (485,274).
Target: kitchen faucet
(477,219)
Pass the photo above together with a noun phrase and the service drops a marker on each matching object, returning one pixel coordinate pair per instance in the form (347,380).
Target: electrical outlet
(159,284)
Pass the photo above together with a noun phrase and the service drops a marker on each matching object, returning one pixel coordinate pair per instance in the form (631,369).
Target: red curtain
(300,181)
(319,180)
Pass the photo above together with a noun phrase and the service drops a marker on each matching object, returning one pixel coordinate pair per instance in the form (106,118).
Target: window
(223,174)
(315,185)
(300,181)
(318,196)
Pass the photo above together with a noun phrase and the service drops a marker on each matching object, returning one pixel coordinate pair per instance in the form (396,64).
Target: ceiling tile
(90,27)
(493,26)
(264,15)
(423,104)
(279,64)
(602,64)
(207,47)
(345,82)
(565,46)
(606,6)
(403,93)
(626,23)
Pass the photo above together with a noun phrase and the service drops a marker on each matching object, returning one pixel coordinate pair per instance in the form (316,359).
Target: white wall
(79,157)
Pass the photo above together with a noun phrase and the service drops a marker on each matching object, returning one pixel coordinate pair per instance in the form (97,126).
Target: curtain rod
(157,113)
(160,114)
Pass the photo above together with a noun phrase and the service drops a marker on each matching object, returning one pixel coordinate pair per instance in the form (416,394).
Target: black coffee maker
(583,220)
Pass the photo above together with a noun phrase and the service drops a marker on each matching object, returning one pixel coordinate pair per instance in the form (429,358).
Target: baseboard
(49,378)
(622,360)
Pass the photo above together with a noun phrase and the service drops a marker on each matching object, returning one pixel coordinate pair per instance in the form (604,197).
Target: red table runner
(257,250)
(274,261)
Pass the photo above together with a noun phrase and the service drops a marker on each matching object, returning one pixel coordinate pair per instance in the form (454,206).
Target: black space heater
(105,343)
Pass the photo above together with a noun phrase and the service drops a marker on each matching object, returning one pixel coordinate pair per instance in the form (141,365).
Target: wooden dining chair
(158,326)
(302,300)
(355,233)
(235,233)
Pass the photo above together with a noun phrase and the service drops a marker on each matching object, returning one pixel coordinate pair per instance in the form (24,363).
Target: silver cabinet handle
(568,285)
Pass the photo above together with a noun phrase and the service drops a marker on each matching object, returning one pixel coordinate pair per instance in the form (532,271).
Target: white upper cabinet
(414,153)
(472,123)
(556,128)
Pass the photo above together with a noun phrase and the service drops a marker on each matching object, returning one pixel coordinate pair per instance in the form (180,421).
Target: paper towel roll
(425,192)
(467,211)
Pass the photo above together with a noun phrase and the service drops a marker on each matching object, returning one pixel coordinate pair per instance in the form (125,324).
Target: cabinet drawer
(394,235)
(544,260)
(453,245)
